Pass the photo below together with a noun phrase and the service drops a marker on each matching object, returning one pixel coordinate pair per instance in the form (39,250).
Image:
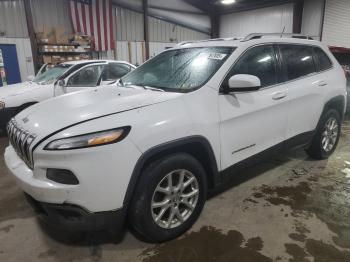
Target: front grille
(21,140)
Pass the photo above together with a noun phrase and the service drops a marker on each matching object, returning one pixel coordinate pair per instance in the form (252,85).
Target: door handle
(322,83)
(279,95)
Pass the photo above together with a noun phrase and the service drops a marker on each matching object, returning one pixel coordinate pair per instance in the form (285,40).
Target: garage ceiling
(209,6)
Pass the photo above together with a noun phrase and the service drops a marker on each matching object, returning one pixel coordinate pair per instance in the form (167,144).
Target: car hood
(60,112)
(17,89)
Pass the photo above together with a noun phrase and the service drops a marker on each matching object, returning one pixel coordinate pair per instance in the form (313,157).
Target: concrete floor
(288,209)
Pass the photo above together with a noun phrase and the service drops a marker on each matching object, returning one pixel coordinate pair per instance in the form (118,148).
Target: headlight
(89,140)
(2,104)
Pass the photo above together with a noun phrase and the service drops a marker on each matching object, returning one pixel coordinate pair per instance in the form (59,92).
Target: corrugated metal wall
(175,11)
(51,13)
(161,31)
(264,20)
(12,19)
(336,29)
(312,18)
(134,51)
(129,26)
(129,35)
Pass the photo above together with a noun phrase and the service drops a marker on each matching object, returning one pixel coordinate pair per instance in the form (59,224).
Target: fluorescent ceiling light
(228,2)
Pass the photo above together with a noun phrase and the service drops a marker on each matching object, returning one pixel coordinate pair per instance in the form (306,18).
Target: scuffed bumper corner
(73,218)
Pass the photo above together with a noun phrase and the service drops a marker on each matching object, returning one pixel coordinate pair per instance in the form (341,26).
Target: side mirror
(62,85)
(242,83)
(30,78)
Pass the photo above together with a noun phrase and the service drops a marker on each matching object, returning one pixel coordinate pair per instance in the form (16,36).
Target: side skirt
(299,141)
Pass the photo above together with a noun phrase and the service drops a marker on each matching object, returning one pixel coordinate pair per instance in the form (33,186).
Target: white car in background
(73,76)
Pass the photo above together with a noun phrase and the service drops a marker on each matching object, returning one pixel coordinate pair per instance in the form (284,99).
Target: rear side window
(86,77)
(323,60)
(259,61)
(298,60)
(117,70)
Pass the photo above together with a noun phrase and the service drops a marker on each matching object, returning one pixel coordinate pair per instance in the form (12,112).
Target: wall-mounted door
(9,68)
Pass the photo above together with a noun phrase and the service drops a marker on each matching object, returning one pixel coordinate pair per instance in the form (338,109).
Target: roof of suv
(252,39)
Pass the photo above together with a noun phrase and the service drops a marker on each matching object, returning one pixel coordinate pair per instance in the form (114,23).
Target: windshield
(50,75)
(179,70)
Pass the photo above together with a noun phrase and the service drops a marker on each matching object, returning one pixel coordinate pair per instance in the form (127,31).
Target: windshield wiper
(113,82)
(146,88)
(153,88)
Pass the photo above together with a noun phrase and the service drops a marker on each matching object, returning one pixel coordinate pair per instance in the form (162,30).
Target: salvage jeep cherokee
(174,128)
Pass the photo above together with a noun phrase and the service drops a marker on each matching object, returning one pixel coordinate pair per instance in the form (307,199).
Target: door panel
(252,122)
(305,87)
(306,105)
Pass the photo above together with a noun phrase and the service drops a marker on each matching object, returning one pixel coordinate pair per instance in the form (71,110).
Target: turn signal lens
(105,139)
(2,104)
(89,140)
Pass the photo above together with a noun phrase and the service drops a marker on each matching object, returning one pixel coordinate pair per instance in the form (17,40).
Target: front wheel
(169,197)
(327,136)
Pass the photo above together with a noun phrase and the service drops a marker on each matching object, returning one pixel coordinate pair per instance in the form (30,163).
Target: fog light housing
(62,176)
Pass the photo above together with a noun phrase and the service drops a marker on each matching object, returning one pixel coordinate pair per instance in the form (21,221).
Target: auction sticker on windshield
(217,56)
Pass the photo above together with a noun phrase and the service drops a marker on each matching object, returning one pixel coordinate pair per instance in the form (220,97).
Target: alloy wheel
(175,199)
(330,134)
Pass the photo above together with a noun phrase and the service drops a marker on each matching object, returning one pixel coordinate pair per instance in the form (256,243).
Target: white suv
(179,125)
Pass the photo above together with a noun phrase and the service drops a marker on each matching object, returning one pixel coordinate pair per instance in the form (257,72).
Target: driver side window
(86,77)
(259,61)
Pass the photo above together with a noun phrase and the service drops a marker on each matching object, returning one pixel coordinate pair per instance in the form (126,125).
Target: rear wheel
(169,198)
(327,136)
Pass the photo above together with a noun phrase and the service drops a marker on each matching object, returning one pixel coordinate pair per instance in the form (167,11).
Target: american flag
(94,18)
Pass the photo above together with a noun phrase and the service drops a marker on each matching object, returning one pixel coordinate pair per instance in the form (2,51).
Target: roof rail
(280,35)
(209,40)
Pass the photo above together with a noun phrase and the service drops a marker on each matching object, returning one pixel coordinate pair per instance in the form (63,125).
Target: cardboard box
(46,34)
(47,59)
(40,38)
(62,36)
(56,59)
(50,34)
(83,40)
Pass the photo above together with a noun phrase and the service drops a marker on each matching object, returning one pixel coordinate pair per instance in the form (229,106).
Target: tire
(318,150)
(143,216)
